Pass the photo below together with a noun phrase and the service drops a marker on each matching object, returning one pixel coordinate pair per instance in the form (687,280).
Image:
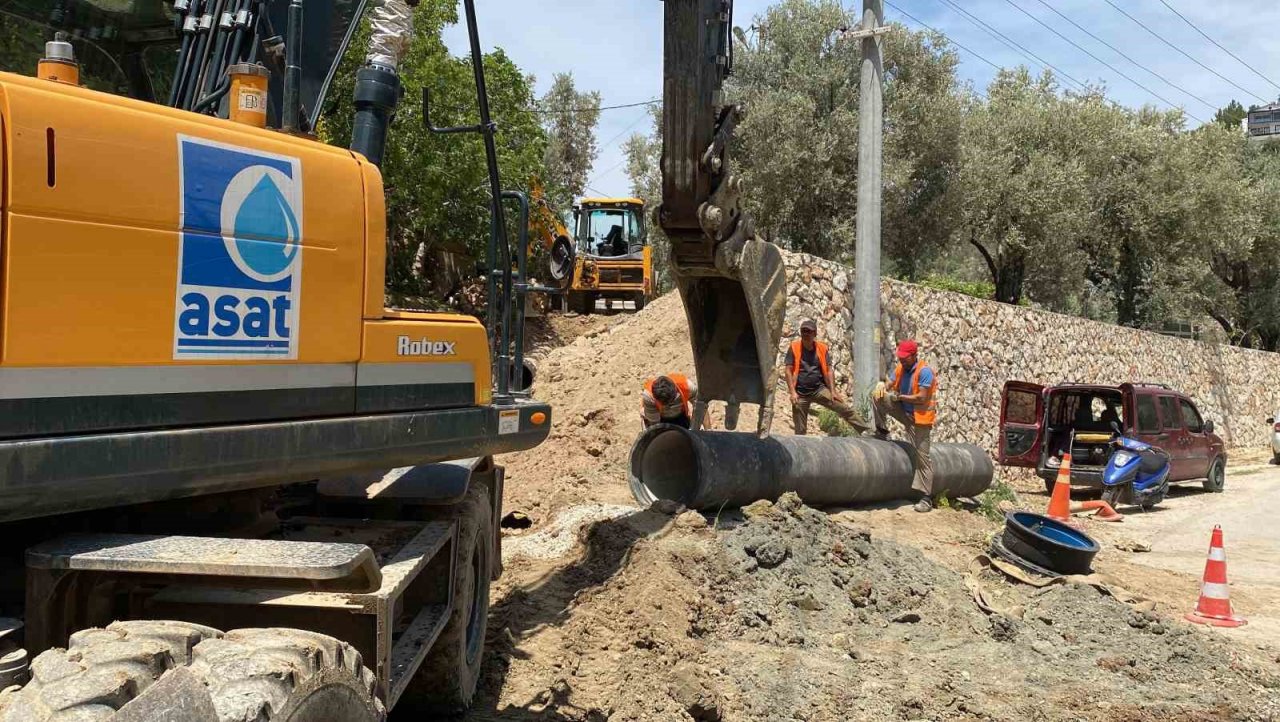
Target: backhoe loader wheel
(446,682)
(162,671)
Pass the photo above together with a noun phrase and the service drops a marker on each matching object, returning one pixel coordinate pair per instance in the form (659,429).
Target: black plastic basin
(1049,543)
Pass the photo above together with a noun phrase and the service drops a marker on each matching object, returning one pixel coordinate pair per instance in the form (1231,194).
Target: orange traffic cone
(1214,607)
(1104,510)
(1060,502)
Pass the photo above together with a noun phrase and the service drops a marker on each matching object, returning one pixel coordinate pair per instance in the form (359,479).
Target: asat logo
(240,258)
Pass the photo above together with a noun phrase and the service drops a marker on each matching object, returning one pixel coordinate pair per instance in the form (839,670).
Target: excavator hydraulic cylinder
(711,470)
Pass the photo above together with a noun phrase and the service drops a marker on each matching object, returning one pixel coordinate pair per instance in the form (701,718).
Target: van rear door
(1021,424)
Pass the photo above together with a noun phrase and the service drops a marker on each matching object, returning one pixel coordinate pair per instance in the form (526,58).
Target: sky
(615,47)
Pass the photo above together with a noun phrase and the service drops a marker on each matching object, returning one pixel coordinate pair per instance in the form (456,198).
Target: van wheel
(1048,485)
(1217,479)
(447,679)
(163,670)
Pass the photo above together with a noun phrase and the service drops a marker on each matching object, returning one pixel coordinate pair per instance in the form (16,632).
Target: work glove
(892,396)
(878,392)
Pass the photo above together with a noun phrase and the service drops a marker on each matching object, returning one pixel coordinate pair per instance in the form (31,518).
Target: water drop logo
(241,253)
(259,224)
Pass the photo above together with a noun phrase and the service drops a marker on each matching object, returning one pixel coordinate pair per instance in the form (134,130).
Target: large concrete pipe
(713,469)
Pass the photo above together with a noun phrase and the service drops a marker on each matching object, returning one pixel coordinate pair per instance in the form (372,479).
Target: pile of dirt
(782,612)
(593,380)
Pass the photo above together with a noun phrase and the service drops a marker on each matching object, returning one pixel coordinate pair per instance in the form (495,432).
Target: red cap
(907,348)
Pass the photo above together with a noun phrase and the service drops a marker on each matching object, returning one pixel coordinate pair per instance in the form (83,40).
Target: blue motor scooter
(1137,473)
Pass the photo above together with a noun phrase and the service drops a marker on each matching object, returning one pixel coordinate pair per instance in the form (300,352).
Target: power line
(1161,38)
(588,109)
(921,23)
(610,143)
(911,17)
(1119,52)
(1077,46)
(1012,43)
(1215,42)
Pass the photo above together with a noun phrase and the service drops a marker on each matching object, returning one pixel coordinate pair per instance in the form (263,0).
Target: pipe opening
(667,467)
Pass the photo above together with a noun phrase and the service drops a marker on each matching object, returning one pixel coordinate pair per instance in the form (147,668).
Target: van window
(1169,413)
(1192,417)
(1021,407)
(1148,419)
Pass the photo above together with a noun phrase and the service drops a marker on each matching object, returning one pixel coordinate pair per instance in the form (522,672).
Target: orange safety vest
(682,384)
(926,413)
(797,347)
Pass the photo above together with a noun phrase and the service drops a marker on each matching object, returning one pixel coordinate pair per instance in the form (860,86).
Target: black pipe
(498,226)
(520,288)
(190,21)
(377,93)
(215,72)
(204,37)
(293,67)
(217,45)
(715,469)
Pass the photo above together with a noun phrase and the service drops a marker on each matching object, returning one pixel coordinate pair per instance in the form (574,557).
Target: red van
(1037,423)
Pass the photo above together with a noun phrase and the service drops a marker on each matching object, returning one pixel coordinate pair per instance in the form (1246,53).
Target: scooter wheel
(1114,495)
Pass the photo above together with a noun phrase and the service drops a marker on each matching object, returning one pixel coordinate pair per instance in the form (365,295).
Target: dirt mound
(780,612)
(593,379)
(784,613)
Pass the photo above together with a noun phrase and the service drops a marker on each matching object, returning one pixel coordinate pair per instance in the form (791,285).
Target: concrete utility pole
(866,287)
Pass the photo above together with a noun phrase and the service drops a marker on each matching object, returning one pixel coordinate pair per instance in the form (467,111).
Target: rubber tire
(1275,458)
(1049,484)
(640,301)
(1216,482)
(446,682)
(246,675)
(1114,495)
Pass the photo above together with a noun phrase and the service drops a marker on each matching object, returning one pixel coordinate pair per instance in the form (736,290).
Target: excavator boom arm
(732,283)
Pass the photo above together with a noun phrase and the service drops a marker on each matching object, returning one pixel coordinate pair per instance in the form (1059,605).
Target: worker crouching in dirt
(809,379)
(909,397)
(668,400)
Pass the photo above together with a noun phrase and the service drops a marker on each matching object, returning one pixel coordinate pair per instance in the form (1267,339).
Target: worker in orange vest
(909,397)
(809,380)
(668,400)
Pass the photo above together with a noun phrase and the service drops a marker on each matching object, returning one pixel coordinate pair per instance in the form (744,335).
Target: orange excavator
(233,485)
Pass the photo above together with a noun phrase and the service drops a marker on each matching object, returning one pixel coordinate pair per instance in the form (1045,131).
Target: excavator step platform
(269,562)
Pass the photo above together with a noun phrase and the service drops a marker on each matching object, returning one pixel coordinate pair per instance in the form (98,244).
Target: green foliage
(644,157)
(1232,115)
(832,425)
(1024,193)
(569,118)
(989,500)
(976,289)
(437,186)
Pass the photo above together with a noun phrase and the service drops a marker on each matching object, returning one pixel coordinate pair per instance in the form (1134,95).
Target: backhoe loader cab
(208,418)
(611,261)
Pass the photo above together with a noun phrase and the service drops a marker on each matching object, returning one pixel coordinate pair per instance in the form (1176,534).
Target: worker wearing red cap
(909,397)
(809,380)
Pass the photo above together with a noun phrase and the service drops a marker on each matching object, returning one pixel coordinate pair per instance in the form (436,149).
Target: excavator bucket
(735,325)
(732,283)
